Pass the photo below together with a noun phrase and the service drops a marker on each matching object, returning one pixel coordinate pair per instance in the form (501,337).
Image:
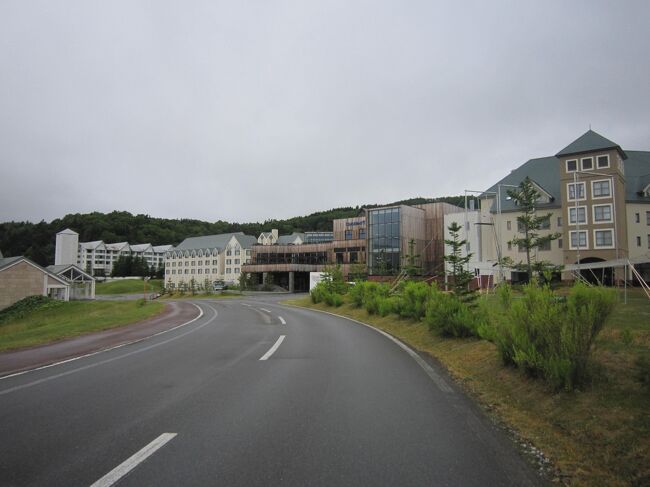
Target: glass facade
(318,237)
(384,241)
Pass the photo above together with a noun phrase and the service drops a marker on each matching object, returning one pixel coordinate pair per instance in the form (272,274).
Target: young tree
(458,263)
(525,197)
(412,261)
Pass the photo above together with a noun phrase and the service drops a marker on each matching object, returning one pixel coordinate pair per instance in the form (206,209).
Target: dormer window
(572,165)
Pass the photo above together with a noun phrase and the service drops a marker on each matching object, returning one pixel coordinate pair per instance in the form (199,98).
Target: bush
(317,294)
(358,292)
(332,299)
(504,292)
(551,338)
(27,305)
(447,315)
(414,298)
(387,305)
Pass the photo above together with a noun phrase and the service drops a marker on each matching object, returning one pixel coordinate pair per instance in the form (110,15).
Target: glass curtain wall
(384,241)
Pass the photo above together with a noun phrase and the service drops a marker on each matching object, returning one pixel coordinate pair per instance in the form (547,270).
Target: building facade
(200,261)
(97,258)
(598,196)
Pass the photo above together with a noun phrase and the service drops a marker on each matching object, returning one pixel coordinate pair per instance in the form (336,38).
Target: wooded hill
(36,241)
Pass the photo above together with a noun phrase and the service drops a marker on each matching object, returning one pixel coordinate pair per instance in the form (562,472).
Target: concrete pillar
(265,277)
(292,286)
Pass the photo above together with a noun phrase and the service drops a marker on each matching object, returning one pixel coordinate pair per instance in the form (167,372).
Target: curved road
(225,400)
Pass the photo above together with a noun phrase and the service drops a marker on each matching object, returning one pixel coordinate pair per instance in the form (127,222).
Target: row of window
(200,271)
(603,239)
(599,214)
(599,189)
(204,253)
(587,163)
(637,218)
(638,241)
(207,262)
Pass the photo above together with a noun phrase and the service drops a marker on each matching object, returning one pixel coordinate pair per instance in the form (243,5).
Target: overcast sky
(246,111)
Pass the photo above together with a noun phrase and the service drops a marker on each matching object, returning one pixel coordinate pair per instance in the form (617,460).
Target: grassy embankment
(599,435)
(47,320)
(129,286)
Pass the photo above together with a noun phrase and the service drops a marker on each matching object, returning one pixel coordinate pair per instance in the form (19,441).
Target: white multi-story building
(203,260)
(98,258)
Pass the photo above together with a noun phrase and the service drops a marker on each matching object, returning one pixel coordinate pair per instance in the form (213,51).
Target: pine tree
(525,197)
(459,273)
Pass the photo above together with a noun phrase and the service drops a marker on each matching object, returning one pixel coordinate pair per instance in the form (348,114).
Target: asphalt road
(333,403)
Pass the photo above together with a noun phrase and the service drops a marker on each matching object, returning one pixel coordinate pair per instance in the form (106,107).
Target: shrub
(332,299)
(447,315)
(387,305)
(551,338)
(373,294)
(358,292)
(504,292)
(27,305)
(317,294)
(414,298)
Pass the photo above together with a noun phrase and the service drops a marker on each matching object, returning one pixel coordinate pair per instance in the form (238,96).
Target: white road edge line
(130,463)
(273,348)
(433,375)
(282,320)
(246,304)
(264,309)
(106,349)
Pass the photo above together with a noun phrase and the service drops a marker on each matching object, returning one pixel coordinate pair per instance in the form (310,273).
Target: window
(600,189)
(237,251)
(348,235)
(604,238)
(602,161)
(236,261)
(649,241)
(637,218)
(559,243)
(166,271)
(602,213)
(187,271)
(214,270)
(228,261)
(587,163)
(576,187)
(200,271)
(559,221)
(509,225)
(362,233)
(572,165)
(509,245)
(582,215)
(578,239)
(228,270)
(228,252)
(248,251)
(207,271)
(237,271)
(545,246)
(638,241)
(200,262)
(192,271)
(647,217)
(545,224)
(521,248)
(520,227)
(193,263)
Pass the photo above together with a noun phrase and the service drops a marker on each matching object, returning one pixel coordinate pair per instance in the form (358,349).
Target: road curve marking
(273,348)
(15,374)
(433,375)
(282,320)
(264,309)
(109,360)
(133,461)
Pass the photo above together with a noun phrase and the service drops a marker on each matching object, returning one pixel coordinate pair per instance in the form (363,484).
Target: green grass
(73,318)
(597,436)
(128,286)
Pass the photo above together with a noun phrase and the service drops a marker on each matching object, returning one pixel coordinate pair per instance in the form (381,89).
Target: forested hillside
(36,240)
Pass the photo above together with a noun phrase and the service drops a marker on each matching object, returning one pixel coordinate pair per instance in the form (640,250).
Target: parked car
(219,285)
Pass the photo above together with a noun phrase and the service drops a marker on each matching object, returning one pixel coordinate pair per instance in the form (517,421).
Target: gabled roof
(544,172)
(9,261)
(590,141)
(91,245)
(61,268)
(140,247)
(67,231)
(288,239)
(637,175)
(162,248)
(215,241)
(117,246)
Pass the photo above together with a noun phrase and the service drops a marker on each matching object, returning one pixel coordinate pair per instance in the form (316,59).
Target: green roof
(590,141)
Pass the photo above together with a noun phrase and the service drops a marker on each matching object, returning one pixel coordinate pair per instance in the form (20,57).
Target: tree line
(36,241)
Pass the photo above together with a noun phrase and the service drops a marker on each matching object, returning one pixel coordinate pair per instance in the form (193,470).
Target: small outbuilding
(82,284)
(20,277)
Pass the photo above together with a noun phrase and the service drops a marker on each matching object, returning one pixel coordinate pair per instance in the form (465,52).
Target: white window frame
(609,182)
(566,165)
(582,163)
(611,214)
(571,246)
(610,230)
(584,191)
(578,212)
(599,156)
